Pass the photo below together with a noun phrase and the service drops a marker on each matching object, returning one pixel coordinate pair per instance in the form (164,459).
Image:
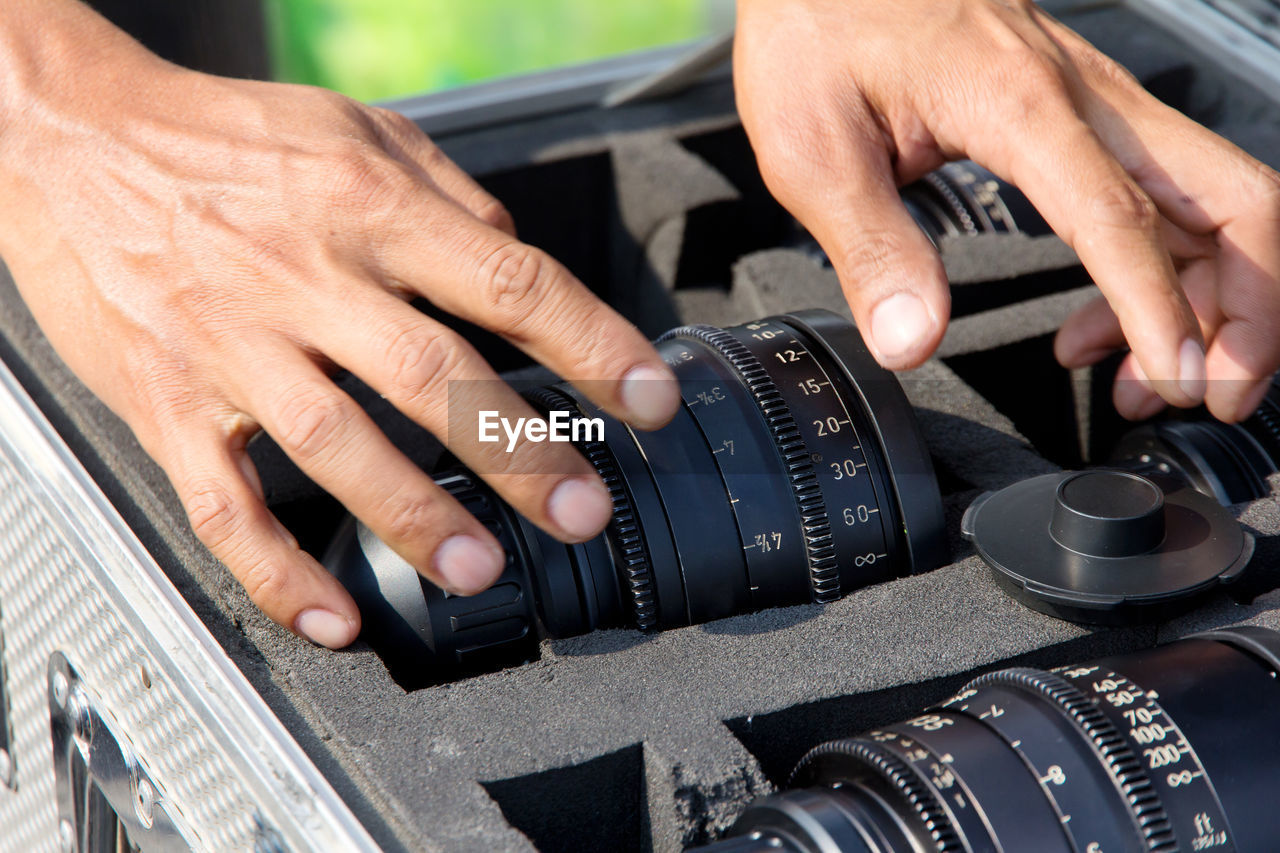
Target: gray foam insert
(621,740)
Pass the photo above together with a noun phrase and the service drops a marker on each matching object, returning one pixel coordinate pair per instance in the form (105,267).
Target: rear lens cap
(1105,546)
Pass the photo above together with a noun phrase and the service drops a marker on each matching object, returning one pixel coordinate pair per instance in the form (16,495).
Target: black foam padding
(620,740)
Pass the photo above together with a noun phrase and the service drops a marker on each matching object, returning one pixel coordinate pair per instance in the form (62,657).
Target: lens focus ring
(819,544)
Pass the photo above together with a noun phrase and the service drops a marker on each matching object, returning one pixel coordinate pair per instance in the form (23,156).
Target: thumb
(844,193)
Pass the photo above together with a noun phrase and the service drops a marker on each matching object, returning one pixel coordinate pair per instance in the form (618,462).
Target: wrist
(66,75)
(59,51)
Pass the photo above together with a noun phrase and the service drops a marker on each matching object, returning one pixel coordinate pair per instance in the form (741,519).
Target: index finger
(486,276)
(1093,204)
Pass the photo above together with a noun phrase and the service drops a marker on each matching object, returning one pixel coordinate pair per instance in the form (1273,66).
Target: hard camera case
(141,691)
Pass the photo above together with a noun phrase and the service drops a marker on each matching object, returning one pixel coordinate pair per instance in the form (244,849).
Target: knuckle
(1264,195)
(1033,89)
(399,123)
(420,360)
(875,256)
(213,513)
(600,343)
(1096,65)
(163,397)
(409,518)
(309,420)
(513,279)
(493,212)
(1122,204)
(264,581)
(790,156)
(361,179)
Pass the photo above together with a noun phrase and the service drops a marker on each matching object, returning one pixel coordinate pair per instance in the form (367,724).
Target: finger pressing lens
(1132,392)
(335,443)
(437,379)
(1089,199)
(836,179)
(521,293)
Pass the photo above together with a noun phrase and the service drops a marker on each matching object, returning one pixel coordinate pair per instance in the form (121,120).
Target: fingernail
(651,395)
(325,628)
(468,565)
(898,324)
(581,508)
(1136,401)
(1191,370)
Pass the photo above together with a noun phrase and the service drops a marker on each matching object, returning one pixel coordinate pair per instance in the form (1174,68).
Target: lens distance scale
(1168,749)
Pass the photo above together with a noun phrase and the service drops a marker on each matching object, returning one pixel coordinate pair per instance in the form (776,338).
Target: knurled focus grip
(435,633)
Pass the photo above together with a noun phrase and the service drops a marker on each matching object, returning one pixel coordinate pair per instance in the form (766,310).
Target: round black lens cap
(1106,547)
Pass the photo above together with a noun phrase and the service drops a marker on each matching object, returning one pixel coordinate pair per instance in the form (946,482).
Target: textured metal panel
(74,579)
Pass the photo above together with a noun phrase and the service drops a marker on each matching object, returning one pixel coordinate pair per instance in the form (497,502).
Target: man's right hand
(203,252)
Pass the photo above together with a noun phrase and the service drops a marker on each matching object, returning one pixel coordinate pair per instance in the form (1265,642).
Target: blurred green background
(375,49)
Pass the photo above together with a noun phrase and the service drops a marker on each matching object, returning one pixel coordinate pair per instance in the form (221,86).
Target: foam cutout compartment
(620,740)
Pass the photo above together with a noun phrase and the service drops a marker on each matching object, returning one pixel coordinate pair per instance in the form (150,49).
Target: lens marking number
(830,425)
(1149,733)
(1054,776)
(1138,714)
(709,397)
(861,515)
(811,387)
(766,542)
(846,468)
(931,722)
(1162,756)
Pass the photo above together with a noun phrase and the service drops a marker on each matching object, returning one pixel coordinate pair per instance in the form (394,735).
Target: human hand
(846,99)
(202,252)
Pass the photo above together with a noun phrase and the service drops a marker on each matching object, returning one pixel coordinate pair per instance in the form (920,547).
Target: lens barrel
(962,199)
(793,472)
(1169,749)
(1228,462)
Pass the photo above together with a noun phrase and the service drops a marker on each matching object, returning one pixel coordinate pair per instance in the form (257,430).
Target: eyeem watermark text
(559,426)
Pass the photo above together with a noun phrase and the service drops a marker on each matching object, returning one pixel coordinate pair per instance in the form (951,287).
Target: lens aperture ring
(824,575)
(843,761)
(936,760)
(1109,745)
(623,527)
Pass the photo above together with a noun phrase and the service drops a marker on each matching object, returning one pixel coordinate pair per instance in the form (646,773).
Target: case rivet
(60,689)
(146,802)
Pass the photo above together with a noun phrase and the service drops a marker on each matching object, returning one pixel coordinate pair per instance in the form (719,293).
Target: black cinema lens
(963,199)
(793,472)
(960,199)
(1229,462)
(1172,749)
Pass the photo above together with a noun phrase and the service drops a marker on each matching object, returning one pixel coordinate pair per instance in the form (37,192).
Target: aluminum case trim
(291,793)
